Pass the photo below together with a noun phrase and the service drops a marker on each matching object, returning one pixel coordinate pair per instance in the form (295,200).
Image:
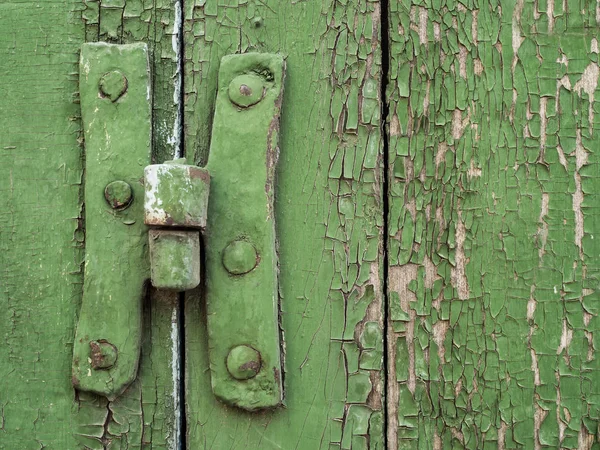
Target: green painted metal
(176,195)
(247,89)
(174,259)
(243,362)
(103,354)
(117,132)
(118,194)
(243,306)
(113,85)
(240,257)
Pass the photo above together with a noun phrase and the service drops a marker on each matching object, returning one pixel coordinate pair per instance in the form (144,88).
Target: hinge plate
(116,116)
(241,258)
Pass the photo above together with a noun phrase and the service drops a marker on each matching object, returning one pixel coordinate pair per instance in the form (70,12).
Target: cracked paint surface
(153,22)
(328,213)
(42,229)
(493,277)
(147,415)
(493,282)
(41,174)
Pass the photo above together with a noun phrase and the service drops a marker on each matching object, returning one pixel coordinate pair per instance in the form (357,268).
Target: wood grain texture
(493,259)
(42,230)
(41,173)
(153,405)
(328,213)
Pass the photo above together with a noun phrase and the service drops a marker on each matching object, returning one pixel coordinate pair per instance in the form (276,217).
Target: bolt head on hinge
(243,362)
(247,90)
(113,85)
(103,354)
(118,194)
(240,257)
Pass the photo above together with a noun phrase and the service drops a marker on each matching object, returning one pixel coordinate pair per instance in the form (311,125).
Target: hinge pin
(176,201)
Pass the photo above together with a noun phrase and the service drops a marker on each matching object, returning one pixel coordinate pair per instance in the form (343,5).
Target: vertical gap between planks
(178,91)
(385,63)
(181,416)
(181,413)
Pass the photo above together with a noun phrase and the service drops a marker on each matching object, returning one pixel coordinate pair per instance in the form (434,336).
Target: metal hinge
(145,222)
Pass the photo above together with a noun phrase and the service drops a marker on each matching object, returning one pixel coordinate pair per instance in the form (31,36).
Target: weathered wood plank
(494,267)
(42,230)
(156,396)
(328,221)
(41,173)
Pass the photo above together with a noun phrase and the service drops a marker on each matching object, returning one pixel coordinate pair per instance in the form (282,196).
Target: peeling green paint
(328,216)
(493,278)
(42,231)
(493,284)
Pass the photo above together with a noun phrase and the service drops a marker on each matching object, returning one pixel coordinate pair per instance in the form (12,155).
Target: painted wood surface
(42,230)
(328,215)
(493,254)
(492,264)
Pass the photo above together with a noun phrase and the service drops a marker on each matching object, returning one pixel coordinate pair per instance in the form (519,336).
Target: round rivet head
(113,85)
(102,354)
(246,90)
(118,194)
(243,362)
(240,257)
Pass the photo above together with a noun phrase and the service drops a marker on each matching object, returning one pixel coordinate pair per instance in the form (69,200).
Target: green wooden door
(42,230)
(492,261)
(434,209)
